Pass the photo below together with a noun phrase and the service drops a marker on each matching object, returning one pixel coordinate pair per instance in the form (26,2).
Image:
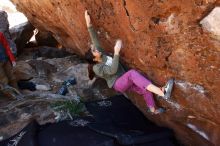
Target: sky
(14,17)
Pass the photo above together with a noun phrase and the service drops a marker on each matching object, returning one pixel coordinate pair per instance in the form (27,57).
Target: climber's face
(95,52)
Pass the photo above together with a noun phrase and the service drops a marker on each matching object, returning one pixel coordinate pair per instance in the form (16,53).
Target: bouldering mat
(72,133)
(115,122)
(26,137)
(119,118)
(66,133)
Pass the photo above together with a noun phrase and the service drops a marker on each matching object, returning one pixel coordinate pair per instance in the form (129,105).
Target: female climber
(112,71)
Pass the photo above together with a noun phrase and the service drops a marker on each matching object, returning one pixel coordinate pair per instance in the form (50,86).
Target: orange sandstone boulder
(162,39)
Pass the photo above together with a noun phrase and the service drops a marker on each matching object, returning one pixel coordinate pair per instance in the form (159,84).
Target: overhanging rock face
(161,39)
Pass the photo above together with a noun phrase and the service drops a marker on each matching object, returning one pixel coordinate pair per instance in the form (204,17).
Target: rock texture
(39,104)
(212,22)
(4,28)
(44,38)
(21,34)
(162,38)
(4,24)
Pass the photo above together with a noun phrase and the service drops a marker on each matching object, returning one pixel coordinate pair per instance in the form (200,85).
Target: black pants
(26,85)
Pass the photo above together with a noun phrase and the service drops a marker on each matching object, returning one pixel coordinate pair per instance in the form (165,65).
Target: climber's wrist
(89,25)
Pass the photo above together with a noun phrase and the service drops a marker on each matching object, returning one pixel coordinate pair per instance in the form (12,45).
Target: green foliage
(74,108)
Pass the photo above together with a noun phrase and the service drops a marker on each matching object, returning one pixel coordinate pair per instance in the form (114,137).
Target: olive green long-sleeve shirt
(109,69)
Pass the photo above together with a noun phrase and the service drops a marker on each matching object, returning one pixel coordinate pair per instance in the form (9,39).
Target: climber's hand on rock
(88,20)
(13,63)
(118,46)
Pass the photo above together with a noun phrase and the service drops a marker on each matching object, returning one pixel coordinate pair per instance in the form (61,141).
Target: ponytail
(90,71)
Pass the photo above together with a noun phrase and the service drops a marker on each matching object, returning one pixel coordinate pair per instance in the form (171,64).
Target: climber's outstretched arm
(92,33)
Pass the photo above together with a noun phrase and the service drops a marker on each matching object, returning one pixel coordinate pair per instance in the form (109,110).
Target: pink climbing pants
(134,81)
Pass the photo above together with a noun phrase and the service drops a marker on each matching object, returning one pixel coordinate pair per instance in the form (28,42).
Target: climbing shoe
(157,111)
(168,89)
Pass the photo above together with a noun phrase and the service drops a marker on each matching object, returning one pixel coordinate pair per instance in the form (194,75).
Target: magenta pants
(134,81)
